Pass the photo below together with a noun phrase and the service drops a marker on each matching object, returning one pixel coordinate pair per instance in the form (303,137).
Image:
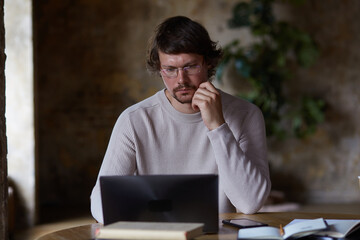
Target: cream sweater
(151,137)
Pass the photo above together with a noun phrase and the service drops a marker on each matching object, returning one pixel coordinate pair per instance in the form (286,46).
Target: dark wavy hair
(182,35)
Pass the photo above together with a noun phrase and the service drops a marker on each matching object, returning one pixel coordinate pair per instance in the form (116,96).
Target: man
(190,127)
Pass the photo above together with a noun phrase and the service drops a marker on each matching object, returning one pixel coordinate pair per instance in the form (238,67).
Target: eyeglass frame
(162,70)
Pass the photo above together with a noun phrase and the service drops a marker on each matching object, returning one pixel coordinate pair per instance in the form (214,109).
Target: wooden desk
(225,233)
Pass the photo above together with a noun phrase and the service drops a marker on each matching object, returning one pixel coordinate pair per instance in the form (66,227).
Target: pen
(281,230)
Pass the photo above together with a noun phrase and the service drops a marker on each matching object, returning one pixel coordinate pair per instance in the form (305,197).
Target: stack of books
(150,230)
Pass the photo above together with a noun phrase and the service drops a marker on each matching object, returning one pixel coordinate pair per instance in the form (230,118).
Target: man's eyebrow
(167,66)
(194,62)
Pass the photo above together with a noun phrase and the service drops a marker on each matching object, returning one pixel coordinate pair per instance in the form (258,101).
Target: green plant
(267,63)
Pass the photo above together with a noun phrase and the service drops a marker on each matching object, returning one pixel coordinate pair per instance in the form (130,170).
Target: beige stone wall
(3,140)
(89,66)
(20,106)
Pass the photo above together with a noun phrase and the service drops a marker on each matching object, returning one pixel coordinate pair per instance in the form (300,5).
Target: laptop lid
(161,198)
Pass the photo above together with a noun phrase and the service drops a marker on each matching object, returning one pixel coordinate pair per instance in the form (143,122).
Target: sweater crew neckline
(175,114)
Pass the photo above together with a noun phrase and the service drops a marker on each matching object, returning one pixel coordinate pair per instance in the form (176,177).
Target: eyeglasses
(174,72)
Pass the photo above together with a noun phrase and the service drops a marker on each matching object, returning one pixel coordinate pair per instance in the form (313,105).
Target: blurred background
(73,66)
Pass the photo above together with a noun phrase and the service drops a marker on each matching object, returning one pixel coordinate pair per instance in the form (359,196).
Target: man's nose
(182,76)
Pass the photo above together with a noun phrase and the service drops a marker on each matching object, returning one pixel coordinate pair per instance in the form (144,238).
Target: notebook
(161,198)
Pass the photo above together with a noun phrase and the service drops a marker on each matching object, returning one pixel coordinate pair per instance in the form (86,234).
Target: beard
(178,97)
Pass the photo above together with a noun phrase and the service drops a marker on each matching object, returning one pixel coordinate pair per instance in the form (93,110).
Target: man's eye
(170,70)
(190,67)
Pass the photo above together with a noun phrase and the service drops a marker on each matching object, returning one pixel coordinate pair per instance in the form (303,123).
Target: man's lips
(184,89)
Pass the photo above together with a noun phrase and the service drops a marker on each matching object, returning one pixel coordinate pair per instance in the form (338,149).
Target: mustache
(182,86)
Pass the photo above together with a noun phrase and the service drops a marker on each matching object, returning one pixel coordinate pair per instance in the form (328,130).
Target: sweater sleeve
(242,164)
(119,159)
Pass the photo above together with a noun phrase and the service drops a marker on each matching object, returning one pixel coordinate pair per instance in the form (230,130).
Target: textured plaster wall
(89,66)
(324,167)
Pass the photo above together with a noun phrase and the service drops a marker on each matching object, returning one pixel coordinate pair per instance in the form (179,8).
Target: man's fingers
(208,101)
(204,95)
(208,86)
(194,106)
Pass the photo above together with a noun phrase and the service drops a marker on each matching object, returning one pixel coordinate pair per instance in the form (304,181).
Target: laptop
(161,198)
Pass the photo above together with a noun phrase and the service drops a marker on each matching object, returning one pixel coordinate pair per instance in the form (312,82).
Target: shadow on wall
(292,187)
(17,214)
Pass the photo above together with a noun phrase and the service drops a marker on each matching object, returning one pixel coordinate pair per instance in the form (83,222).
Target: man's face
(182,88)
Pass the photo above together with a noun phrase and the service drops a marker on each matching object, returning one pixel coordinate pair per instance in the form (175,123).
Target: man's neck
(181,107)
